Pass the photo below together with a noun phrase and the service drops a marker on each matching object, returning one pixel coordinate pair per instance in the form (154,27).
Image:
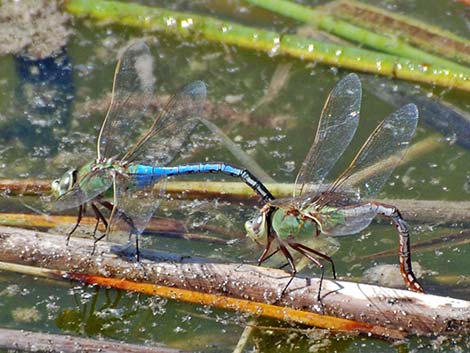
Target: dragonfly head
(65,183)
(257,229)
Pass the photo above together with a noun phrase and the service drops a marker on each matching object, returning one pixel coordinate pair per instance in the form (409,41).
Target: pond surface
(42,139)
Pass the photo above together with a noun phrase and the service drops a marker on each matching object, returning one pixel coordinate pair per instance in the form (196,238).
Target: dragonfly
(341,207)
(133,148)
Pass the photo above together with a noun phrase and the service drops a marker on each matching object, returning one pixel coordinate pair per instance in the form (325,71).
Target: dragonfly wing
(86,189)
(348,220)
(337,125)
(135,204)
(380,154)
(171,128)
(127,115)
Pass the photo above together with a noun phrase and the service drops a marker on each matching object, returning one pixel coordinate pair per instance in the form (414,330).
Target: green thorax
(101,172)
(285,225)
(104,165)
(305,227)
(85,170)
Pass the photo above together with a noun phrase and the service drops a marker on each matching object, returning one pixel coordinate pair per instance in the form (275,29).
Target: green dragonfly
(134,145)
(342,207)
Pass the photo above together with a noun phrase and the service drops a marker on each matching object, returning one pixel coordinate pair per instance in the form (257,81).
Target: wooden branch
(435,211)
(228,303)
(432,211)
(27,341)
(378,310)
(28,186)
(164,226)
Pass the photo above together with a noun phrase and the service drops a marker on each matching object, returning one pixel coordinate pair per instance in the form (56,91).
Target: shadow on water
(43,100)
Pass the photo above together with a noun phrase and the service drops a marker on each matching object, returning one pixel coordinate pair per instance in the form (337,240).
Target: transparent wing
(337,126)
(347,220)
(171,128)
(136,204)
(86,189)
(127,115)
(380,154)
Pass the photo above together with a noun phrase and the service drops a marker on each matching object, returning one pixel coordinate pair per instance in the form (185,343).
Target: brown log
(399,310)
(27,341)
(223,302)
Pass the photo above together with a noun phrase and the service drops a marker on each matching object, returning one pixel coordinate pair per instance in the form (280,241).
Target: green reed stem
(417,33)
(207,28)
(391,45)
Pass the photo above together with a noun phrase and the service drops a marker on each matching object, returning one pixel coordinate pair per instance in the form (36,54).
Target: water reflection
(42,101)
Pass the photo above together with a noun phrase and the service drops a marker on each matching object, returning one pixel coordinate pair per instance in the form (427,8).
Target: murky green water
(277,135)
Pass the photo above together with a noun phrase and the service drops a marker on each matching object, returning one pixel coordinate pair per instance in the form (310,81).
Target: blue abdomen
(148,175)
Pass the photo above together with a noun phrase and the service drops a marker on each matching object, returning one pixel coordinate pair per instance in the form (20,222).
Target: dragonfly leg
(271,255)
(264,256)
(317,231)
(404,251)
(79,219)
(270,236)
(323,256)
(303,250)
(137,251)
(289,258)
(119,213)
(122,215)
(99,217)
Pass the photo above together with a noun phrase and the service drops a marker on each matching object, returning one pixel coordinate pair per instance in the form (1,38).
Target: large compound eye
(55,186)
(256,228)
(64,184)
(257,222)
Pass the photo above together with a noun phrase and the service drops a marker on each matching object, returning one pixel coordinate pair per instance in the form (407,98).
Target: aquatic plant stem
(343,29)
(423,35)
(207,28)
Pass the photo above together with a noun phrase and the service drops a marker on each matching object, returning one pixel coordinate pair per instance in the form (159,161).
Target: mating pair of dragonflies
(133,170)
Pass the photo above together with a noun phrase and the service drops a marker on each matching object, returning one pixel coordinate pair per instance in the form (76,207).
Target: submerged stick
(28,341)
(438,243)
(245,336)
(247,288)
(424,211)
(166,226)
(196,297)
(415,151)
(238,152)
(434,211)
(23,187)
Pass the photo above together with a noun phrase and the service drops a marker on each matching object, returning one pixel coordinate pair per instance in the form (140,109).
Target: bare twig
(246,288)
(441,242)
(27,341)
